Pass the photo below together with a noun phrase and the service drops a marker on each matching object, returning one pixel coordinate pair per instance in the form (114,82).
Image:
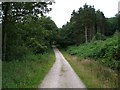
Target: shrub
(106,52)
(99,36)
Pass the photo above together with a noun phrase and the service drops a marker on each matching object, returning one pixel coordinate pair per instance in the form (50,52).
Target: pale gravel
(61,75)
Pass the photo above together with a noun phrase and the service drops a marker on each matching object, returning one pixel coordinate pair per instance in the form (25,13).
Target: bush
(27,72)
(36,47)
(99,36)
(16,52)
(105,52)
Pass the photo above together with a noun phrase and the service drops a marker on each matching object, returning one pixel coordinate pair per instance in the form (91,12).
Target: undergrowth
(27,72)
(106,52)
(92,73)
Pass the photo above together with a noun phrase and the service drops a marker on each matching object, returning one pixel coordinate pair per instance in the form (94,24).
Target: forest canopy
(27,29)
(24,30)
(86,25)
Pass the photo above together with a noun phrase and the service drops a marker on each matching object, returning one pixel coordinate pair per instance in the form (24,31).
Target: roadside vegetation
(91,45)
(89,38)
(24,30)
(96,63)
(105,52)
(92,73)
(28,72)
(27,37)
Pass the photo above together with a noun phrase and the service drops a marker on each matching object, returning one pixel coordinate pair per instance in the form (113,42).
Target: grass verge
(93,74)
(27,73)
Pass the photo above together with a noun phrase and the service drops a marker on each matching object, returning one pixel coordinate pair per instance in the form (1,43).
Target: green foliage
(66,35)
(30,34)
(92,73)
(83,25)
(106,51)
(118,20)
(99,36)
(36,47)
(111,26)
(24,31)
(16,52)
(34,35)
(28,72)
(86,25)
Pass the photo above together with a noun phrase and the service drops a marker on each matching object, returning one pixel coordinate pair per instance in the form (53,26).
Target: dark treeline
(86,25)
(26,29)
(89,34)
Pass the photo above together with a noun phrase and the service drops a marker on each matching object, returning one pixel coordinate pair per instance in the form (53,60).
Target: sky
(62,9)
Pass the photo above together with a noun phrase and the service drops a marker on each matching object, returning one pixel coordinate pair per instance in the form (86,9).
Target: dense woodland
(24,30)
(28,34)
(86,25)
(92,35)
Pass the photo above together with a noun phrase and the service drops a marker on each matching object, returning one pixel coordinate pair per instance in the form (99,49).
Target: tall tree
(85,24)
(14,13)
(111,26)
(100,22)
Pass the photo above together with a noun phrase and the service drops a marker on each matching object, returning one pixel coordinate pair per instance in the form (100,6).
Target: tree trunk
(4,45)
(0,41)
(93,31)
(4,29)
(90,34)
(86,39)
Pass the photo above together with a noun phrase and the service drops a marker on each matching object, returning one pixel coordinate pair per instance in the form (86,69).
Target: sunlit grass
(27,73)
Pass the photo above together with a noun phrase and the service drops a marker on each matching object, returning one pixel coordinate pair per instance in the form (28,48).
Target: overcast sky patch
(62,9)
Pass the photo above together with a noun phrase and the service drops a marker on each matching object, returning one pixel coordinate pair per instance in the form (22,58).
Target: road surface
(61,75)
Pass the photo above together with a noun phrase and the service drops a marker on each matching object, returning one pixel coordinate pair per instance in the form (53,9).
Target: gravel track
(61,75)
